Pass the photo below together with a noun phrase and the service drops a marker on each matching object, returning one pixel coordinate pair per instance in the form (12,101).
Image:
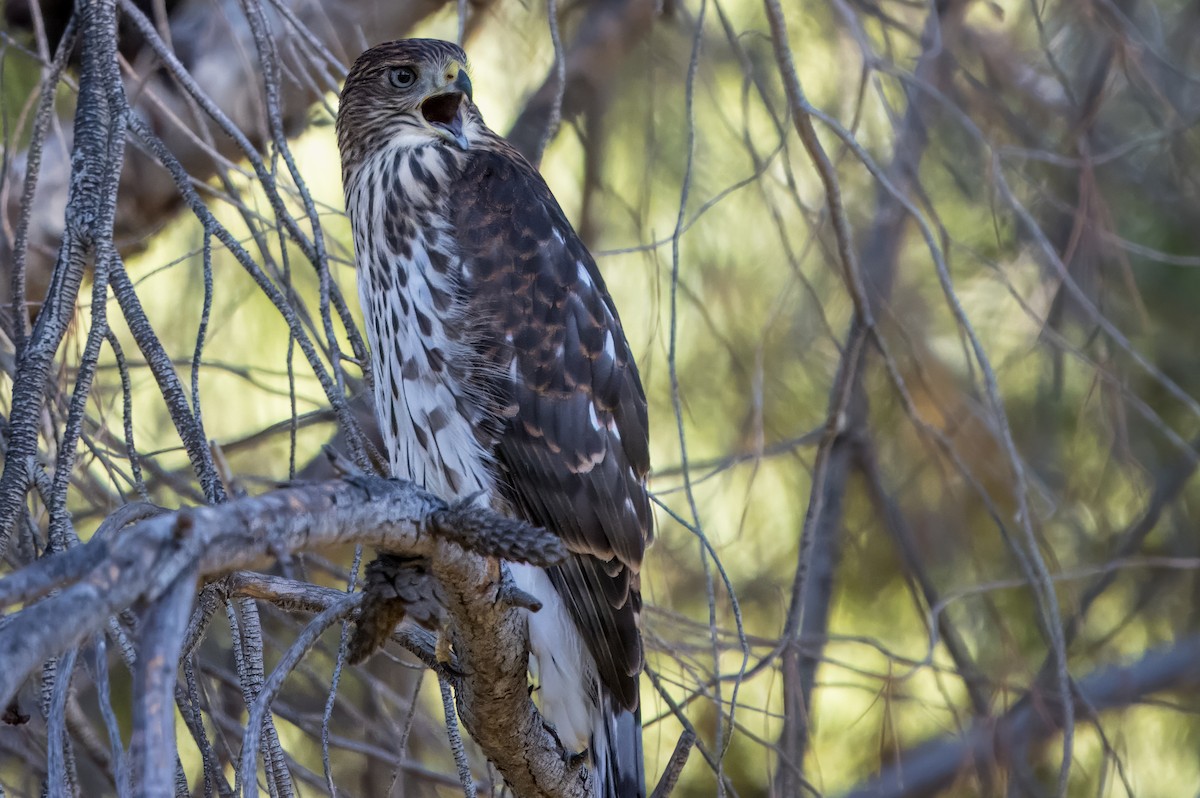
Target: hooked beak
(443,108)
(463,83)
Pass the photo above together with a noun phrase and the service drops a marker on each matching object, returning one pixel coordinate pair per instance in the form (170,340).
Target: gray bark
(154,564)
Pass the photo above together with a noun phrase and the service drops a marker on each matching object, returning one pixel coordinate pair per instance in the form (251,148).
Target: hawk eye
(402,77)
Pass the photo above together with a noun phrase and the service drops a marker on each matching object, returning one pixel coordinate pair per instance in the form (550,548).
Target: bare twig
(259,710)
(456,743)
(679,757)
(392,515)
(215,39)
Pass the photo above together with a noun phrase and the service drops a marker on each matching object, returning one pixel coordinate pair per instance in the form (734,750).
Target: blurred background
(914,288)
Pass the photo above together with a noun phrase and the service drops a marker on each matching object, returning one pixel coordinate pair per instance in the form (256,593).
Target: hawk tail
(617,750)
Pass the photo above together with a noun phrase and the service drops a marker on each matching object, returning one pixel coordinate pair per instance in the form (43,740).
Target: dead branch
(292,595)
(155,564)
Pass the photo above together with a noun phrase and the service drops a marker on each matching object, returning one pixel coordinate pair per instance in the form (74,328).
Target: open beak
(443,108)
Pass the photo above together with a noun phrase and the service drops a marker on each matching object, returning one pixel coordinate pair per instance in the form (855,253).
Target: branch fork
(156,563)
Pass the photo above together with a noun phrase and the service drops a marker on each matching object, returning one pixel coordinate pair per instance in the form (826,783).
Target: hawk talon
(576,761)
(342,466)
(468,502)
(573,760)
(368,483)
(450,672)
(548,726)
(514,596)
(282,555)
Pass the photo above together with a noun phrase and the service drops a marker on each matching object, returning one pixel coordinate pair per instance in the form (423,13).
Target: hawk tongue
(445,112)
(455,126)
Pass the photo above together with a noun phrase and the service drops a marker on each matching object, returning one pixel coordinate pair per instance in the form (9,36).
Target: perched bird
(501,370)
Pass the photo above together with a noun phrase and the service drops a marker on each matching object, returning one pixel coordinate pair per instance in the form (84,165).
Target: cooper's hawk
(501,370)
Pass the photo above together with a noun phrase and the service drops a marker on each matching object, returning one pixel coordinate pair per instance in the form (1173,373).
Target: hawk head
(413,92)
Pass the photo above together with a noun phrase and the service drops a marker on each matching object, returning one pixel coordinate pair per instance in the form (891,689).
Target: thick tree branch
(148,562)
(933,766)
(497,707)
